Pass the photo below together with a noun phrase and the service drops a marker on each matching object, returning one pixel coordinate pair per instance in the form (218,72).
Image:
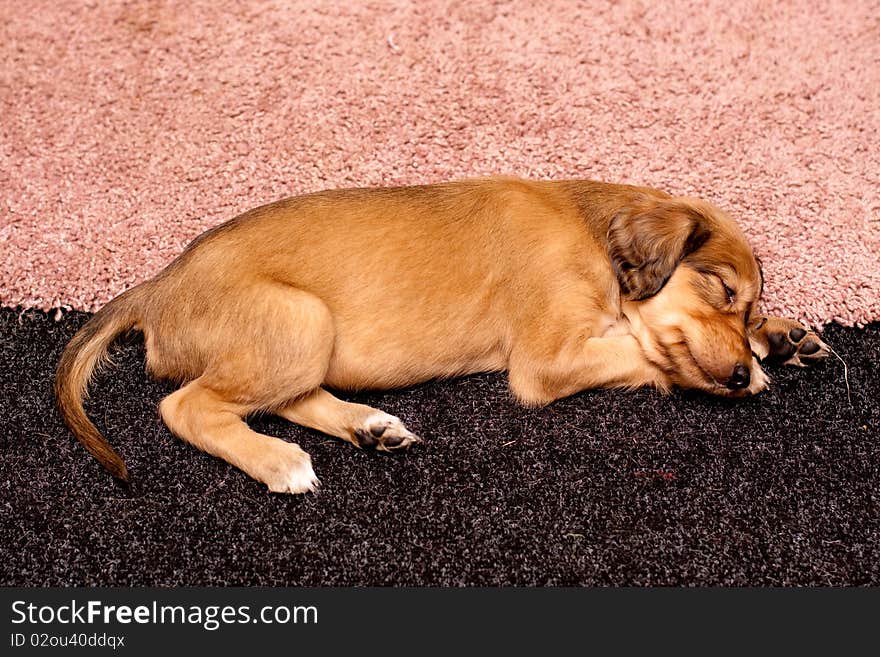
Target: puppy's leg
(609,362)
(204,419)
(359,424)
(262,346)
(786,341)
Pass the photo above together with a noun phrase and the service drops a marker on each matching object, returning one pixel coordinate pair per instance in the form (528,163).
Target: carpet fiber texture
(129,127)
(601,488)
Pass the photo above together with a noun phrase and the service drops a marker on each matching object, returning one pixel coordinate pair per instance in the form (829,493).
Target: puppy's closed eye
(729,292)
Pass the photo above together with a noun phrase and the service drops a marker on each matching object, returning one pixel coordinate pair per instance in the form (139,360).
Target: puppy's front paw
(786,341)
(385,433)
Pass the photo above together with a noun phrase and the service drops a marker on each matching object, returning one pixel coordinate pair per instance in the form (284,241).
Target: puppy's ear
(647,241)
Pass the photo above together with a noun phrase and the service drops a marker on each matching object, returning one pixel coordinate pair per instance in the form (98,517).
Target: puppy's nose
(739,378)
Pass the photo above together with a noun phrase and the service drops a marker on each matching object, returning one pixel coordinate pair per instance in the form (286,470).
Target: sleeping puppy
(566,285)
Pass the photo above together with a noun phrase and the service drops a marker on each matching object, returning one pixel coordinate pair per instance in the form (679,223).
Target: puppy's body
(420,282)
(566,285)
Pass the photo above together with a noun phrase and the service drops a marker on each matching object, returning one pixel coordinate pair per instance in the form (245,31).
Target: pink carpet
(126,128)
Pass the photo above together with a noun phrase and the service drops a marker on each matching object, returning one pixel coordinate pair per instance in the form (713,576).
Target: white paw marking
(760,378)
(294,474)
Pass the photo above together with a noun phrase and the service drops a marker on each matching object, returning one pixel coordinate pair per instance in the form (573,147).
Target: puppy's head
(689,283)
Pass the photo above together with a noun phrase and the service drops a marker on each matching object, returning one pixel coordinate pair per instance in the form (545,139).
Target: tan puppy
(566,285)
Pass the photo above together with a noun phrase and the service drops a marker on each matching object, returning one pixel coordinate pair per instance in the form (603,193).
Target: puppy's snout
(739,378)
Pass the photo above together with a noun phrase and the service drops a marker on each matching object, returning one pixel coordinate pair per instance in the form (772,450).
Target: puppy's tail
(83,354)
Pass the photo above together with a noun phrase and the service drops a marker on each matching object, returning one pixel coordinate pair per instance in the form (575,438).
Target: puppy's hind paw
(290,471)
(385,433)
